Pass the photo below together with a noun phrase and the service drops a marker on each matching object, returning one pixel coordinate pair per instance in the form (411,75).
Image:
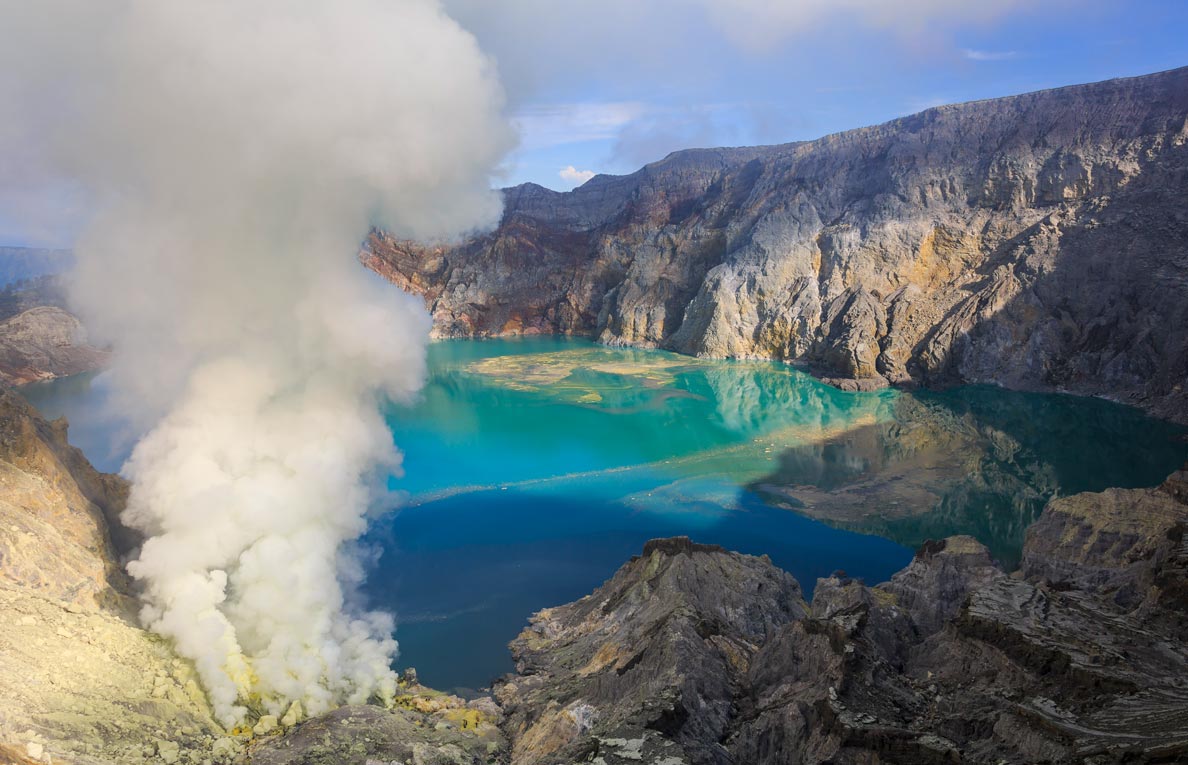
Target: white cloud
(523,33)
(762,24)
(571,174)
(545,125)
(989,55)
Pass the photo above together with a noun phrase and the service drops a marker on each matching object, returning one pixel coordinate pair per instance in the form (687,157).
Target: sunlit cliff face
(236,153)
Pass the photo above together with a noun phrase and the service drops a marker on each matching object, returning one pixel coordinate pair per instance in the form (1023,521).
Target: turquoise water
(535,467)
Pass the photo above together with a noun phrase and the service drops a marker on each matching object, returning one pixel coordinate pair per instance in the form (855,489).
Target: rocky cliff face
(39,338)
(691,654)
(1037,241)
(43,343)
(649,665)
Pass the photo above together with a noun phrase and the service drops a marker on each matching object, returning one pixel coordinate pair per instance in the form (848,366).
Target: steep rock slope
(80,682)
(1036,241)
(691,654)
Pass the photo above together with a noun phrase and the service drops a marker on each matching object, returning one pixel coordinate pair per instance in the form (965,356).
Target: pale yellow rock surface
(80,682)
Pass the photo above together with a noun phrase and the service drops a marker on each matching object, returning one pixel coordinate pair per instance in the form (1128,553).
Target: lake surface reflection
(535,467)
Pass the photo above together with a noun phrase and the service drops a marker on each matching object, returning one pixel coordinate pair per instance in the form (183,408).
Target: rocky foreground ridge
(80,682)
(1038,241)
(692,654)
(688,655)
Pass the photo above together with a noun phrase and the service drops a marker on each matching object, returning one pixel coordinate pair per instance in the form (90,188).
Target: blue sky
(605,86)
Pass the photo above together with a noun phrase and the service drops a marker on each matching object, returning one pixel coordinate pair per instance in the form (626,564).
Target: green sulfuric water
(533,468)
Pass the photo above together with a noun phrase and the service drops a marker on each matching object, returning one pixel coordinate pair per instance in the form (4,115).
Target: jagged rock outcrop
(61,534)
(1078,658)
(1038,241)
(648,666)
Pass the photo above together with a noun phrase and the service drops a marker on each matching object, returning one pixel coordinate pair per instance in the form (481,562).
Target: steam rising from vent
(236,152)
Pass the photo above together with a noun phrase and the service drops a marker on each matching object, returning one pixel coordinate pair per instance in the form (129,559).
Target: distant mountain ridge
(22,263)
(1038,241)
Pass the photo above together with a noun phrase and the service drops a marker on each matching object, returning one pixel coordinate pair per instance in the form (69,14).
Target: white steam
(236,152)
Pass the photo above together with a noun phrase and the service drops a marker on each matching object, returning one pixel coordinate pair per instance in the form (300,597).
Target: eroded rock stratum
(691,654)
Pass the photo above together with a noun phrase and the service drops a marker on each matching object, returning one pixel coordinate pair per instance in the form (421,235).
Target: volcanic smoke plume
(234,154)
